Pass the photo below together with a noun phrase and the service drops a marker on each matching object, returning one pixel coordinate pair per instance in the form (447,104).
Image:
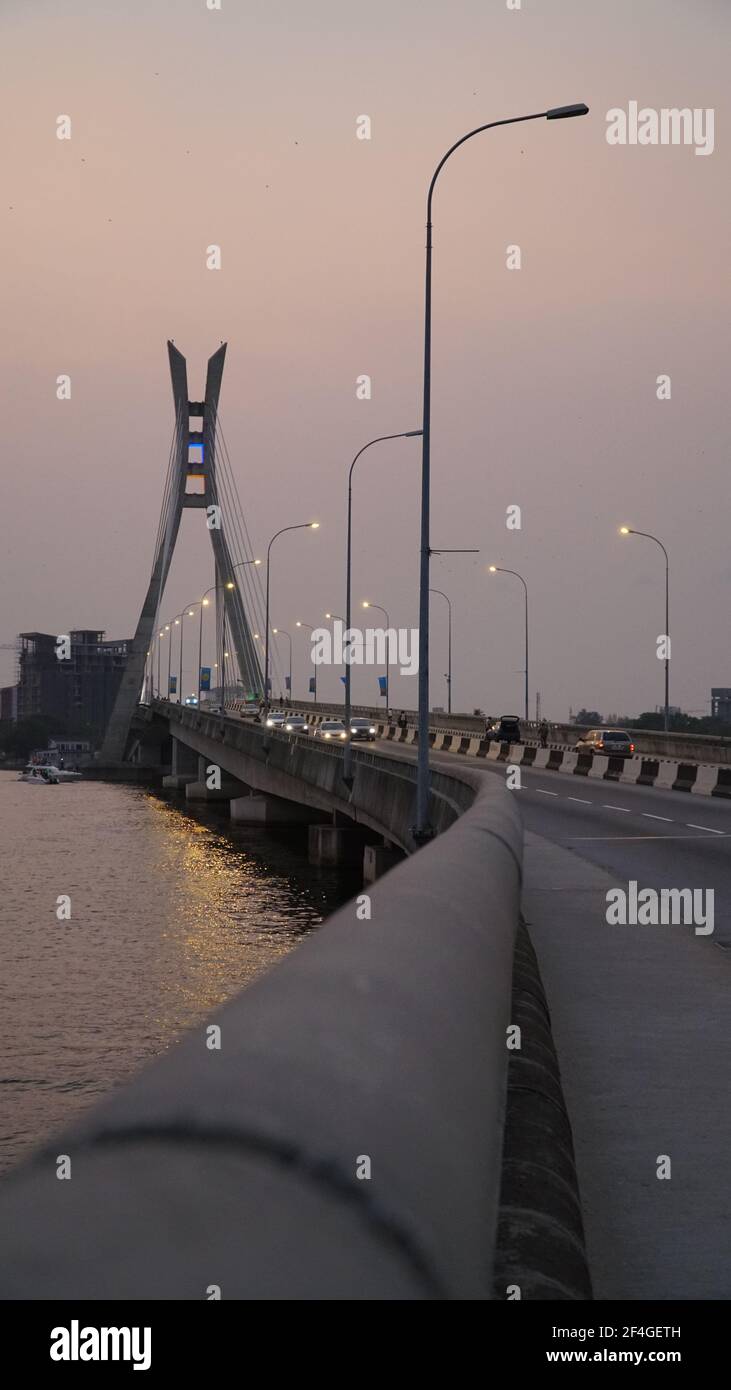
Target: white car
(331,729)
(275,720)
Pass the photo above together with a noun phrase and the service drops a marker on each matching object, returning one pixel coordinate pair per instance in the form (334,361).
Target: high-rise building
(78,689)
(721,703)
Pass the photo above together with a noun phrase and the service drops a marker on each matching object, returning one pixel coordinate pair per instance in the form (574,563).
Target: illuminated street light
(630,531)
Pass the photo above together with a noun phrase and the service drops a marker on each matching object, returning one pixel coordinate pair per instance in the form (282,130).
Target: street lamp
(405,434)
(629,531)
(314,667)
(449,647)
(366,604)
(230,585)
(497,569)
(204,603)
(422,828)
(276,631)
(302,526)
(187,612)
(169,628)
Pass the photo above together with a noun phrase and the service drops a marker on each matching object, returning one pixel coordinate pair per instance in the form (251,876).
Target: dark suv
(506,729)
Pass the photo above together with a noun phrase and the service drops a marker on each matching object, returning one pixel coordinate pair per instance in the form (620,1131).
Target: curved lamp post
(404,434)
(422,828)
(366,604)
(241,565)
(630,531)
(449,647)
(169,628)
(498,569)
(310,628)
(186,613)
(204,604)
(280,631)
(301,526)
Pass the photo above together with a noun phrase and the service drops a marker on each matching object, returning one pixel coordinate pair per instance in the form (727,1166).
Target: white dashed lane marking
(627,810)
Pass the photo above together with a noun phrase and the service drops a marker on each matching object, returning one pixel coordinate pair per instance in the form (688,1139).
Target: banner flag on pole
(313,686)
(382,684)
(205,678)
(173,685)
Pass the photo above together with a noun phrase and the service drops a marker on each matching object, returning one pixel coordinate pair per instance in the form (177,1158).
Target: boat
(47,774)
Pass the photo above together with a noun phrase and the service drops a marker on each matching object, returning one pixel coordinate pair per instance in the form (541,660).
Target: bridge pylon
(193,459)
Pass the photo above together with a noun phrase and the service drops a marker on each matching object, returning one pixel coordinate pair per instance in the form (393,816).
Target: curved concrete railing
(344,1141)
(310,772)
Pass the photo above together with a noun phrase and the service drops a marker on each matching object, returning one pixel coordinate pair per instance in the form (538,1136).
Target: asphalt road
(641,1021)
(659,839)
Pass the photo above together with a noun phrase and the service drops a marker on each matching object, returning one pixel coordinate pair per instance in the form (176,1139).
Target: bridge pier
(337,846)
(199,790)
(260,809)
(184,767)
(378,859)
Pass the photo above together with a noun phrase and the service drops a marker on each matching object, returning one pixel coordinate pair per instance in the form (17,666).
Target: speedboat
(47,774)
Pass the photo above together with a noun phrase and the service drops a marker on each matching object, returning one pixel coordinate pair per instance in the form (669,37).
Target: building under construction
(77,690)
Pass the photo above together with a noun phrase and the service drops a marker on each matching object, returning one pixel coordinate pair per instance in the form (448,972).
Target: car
(331,729)
(506,729)
(613,743)
(275,719)
(296,724)
(362,731)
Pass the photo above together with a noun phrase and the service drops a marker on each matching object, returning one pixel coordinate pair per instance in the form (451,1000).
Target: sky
(238,127)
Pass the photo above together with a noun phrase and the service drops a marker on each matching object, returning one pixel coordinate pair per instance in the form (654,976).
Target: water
(171,913)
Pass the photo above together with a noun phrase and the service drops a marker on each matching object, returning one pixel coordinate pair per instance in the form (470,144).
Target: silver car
(362,730)
(333,729)
(613,743)
(296,724)
(275,720)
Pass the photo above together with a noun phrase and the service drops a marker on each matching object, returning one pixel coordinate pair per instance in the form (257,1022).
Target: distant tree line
(680,723)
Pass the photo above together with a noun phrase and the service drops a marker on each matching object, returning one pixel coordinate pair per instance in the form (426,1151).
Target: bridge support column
(184,767)
(258,809)
(336,846)
(231,788)
(378,859)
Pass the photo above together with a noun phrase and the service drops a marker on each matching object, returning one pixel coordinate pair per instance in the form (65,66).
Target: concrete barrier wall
(279,764)
(674,774)
(344,1142)
(702,748)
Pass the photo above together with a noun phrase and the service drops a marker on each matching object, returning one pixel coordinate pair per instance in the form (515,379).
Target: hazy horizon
(237,127)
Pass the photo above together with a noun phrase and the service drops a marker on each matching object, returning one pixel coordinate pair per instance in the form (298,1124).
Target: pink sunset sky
(237,127)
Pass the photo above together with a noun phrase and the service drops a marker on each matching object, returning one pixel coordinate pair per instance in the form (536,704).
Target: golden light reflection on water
(171,915)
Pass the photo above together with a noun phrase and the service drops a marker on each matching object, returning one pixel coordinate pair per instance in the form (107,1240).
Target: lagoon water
(172,912)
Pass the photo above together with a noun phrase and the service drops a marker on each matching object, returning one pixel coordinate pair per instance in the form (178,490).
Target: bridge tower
(193,458)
